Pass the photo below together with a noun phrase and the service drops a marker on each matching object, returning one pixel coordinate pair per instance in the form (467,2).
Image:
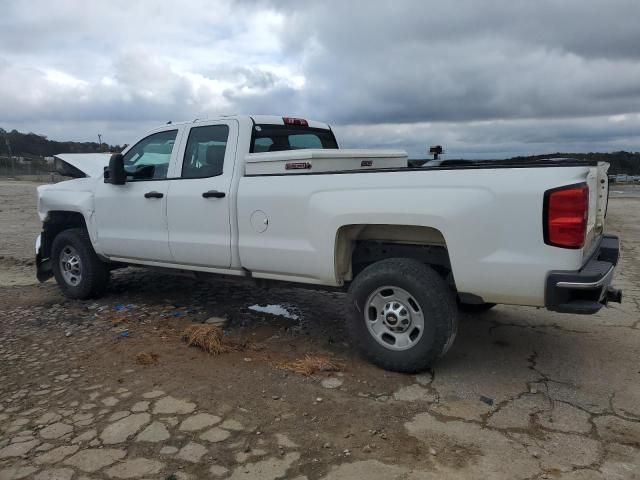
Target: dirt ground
(523,394)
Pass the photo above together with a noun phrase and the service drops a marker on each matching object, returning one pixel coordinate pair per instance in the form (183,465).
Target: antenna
(206,117)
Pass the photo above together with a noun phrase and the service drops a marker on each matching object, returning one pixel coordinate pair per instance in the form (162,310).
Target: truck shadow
(502,342)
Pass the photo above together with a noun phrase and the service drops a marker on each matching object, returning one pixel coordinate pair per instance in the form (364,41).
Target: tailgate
(598,182)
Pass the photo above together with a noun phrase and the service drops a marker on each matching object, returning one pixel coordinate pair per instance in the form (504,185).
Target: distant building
(624,178)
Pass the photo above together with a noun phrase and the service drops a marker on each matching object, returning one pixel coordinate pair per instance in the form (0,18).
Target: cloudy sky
(484,79)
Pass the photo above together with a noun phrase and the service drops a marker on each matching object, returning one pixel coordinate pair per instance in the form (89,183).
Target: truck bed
(488,214)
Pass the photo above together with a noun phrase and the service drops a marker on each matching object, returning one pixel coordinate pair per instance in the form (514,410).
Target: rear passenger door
(201,196)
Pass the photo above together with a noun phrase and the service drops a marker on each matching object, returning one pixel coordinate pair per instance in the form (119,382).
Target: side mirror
(114,173)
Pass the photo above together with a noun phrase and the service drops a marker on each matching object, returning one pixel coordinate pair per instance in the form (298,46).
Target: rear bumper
(587,290)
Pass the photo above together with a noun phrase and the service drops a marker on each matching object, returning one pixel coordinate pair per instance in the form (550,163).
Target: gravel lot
(523,394)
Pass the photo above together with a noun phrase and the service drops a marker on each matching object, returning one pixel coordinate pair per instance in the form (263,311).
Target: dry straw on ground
(147,358)
(116,318)
(209,338)
(311,364)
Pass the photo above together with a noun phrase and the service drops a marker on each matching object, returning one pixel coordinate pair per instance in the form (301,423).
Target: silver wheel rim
(394,318)
(70,266)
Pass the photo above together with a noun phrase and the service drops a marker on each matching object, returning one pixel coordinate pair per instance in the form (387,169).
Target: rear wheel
(403,315)
(77,269)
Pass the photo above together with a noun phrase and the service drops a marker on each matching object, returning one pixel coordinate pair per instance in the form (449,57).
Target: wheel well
(56,222)
(358,246)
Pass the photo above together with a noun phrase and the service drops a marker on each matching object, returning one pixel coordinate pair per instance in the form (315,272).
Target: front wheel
(403,315)
(77,269)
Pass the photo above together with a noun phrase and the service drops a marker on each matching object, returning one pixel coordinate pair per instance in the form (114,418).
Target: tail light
(295,121)
(565,216)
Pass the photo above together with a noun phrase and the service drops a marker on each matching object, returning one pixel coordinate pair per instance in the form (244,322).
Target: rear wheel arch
(358,246)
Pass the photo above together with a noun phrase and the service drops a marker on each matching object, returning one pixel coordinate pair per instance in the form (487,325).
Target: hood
(91,164)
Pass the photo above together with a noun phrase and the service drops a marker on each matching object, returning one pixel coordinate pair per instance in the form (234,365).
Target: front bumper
(587,290)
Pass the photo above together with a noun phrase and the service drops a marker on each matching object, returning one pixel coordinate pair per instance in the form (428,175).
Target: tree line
(34,145)
(621,162)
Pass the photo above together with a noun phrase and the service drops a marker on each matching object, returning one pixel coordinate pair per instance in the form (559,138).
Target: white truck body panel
(491,221)
(127,227)
(281,224)
(598,183)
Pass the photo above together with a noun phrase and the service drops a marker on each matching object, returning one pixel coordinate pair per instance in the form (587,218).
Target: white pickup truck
(274,199)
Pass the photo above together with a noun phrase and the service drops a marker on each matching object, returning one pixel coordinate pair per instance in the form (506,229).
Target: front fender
(71,196)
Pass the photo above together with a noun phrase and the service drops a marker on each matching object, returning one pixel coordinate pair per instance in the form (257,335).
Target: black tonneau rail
(518,162)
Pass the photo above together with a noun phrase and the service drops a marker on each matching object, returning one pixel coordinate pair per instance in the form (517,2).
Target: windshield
(277,138)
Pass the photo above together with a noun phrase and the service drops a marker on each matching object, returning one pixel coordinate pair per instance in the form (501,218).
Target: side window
(149,158)
(204,154)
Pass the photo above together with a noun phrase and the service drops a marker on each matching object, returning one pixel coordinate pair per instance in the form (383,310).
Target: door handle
(214,194)
(153,195)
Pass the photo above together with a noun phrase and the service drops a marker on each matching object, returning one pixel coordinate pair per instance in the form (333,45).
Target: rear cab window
(278,138)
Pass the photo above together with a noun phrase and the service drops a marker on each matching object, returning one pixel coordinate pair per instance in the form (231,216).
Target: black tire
(94,276)
(434,299)
(476,308)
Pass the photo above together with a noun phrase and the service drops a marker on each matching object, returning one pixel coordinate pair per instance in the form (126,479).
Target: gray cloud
(412,61)
(490,78)
(498,139)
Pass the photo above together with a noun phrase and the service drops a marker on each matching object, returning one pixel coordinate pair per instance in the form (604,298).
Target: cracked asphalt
(523,394)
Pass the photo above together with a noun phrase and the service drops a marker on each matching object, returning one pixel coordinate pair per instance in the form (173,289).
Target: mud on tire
(76,267)
(403,315)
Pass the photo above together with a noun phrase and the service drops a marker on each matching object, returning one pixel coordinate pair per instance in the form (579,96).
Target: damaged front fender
(61,206)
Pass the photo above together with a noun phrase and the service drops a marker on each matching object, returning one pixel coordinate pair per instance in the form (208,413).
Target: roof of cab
(258,119)
(275,120)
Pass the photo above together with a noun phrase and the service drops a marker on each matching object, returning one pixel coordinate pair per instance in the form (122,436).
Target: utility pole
(6,140)
(99,142)
(13,168)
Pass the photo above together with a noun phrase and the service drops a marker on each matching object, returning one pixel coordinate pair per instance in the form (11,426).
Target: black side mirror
(114,173)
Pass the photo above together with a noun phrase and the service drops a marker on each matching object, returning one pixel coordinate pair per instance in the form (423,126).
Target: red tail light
(565,216)
(295,121)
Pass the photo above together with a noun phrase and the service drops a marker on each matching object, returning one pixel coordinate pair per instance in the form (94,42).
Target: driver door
(131,218)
